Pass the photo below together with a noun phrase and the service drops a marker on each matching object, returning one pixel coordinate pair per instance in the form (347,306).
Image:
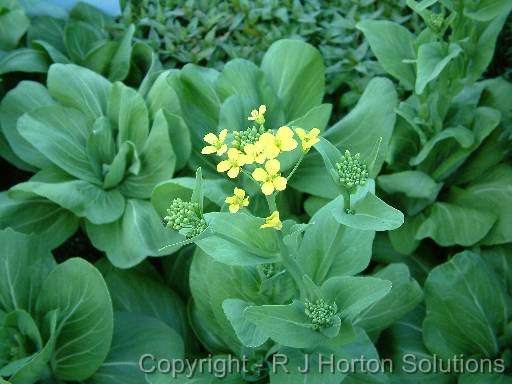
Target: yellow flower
(282,141)
(308,139)
(237,201)
(273,221)
(235,161)
(255,153)
(216,143)
(269,177)
(257,115)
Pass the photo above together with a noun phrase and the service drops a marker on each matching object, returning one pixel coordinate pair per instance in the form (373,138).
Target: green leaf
(101,147)
(26,97)
(180,138)
(371,213)
(80,197)
(128,113)
(80,88)
(330,249)
(79,39)
(60,134)
(249,334)
(493,192)
(500,260)
(486,10)
(125,161)
(120,64)
(85,318)
(285,324)
(26,262)
(162,96)
(134,336)
(465,308)
(157,161)
(198,192)
(40,216)
(404,239)
(353,295)
(13,25)
(433,58)
(236,239)
(297,73)
(138,293)
(405,295)
(50,28)
(413,184)
(450,224)
(24,60)
(393,45)
(137,234)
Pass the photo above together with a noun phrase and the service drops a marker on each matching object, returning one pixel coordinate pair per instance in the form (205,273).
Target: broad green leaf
(125,161)
(371,214)
(236,239)
(26,97)
(162,96)
(80,88)
(372,118)
(285,324)
(484,378)
(26,262)
(85,318)
(157,162)
(414,184)
(405,294)
(136,292)
(13,25)
(24,60)
(128,113)
(38,363)
(60,134)
(80,197)
(500,260)
(35,215)
(249,334)
(180,138)
(296,72)
(404,238)
(79,39)
(486,10)
(393,45)
(463,298)
(450,224)
(136,335)
(120,65)
(331,249)
(494,192)
(51,29)
(137,234)
(101,147)
(100,56)
(353,295)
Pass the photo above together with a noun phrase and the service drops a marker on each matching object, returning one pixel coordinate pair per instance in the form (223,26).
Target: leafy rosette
(446,167)
(69,322)
(99,149)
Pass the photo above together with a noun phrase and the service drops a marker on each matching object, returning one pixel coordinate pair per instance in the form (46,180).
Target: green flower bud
(352,171)
(268,270)
(320,313)
(249,136)
(184,215)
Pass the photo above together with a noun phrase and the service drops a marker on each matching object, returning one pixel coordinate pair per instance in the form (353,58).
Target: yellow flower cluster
(264,151)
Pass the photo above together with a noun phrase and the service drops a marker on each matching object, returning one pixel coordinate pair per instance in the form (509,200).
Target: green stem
(346,200)
(296,165)
(291,265)
(271,201)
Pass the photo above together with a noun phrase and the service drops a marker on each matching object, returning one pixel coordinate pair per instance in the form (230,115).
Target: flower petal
(233,172)
(222,135)
(210,138)
(267,188)
(259,174)
(239,192)
(233,208)
(280,183)
(223,166)
(208,150)
(222,150)
(273,167)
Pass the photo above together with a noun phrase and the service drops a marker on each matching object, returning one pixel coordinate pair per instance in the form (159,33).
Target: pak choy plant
(447,164)
(68,322)
(98,149)
(262,285)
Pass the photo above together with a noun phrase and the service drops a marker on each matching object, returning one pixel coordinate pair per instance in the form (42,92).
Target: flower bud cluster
(184,214)
(268,270)
(321,313)
(249,136)
(352,171)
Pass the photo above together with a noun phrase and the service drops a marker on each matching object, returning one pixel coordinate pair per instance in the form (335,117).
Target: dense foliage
(182,196)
